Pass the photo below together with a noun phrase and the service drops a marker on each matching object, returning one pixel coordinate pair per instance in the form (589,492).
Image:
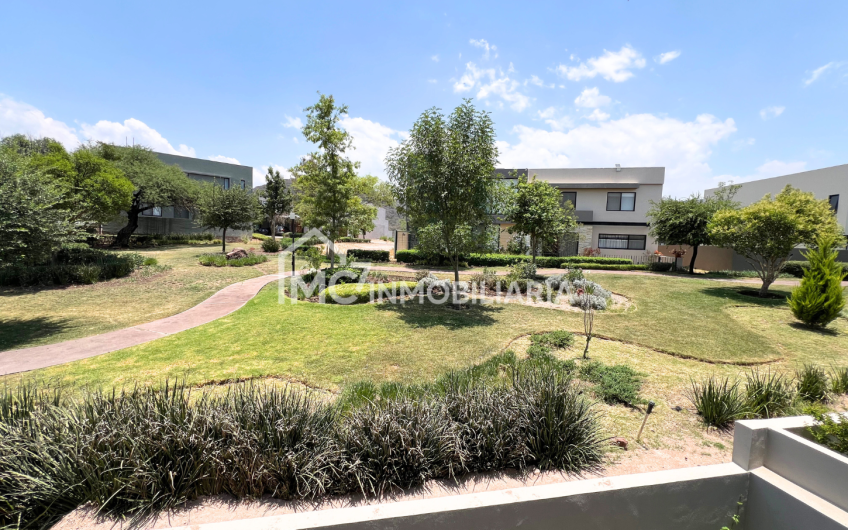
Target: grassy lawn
(35,316)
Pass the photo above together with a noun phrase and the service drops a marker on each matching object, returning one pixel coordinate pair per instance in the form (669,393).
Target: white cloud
(667,57)
(17,117)
(485,46)
(435,58)
(432,81)
(592,98)
(226,159)
(771,112)
(372,142)
(133,131)
(295,139)
(598,115)
(772,168)
(683,148)
(557,124)
(259,173)
(817,73)
(295,123)
(498,85)
(612,66)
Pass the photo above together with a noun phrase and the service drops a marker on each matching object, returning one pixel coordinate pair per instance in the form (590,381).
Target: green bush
(660,266)
(368,255)
(605,267)
(132,453)
(220,260)
(363,292)
(75,263)
(719,402)
(352,240)
(329,272)
(149,262)
(581,260)
(270,245)
(767,395)
(812,383)
(613,384)
(830,432)
(554,339)
(819,299)
(839,380)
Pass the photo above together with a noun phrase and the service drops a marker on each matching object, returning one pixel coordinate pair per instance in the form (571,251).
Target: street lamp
(292,217)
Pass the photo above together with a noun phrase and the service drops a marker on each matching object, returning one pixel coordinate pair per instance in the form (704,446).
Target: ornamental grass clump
(812,383)
(819,299)
(768,394)
(720,402)
(839,380)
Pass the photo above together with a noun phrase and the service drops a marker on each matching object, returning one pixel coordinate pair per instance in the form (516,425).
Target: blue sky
(710,90)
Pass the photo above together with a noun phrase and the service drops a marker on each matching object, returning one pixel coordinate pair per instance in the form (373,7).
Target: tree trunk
(224,241)
(456,269)
(586,350)
(765,288)
(123,238)
(692,263)
(273,231)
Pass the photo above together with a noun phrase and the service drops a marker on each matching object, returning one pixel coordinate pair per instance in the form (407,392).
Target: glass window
(621,201)
(226,183)
(834,202)
(156,211)
(569,196)
(622,241)
(243,184)
(628,202)
(181,213)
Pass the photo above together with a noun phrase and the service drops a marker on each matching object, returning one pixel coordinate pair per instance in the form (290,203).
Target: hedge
(797,268)
(483,260)
(73,264)
(367,255)
(596,259)
(220,260)
(606,267)
(352,240)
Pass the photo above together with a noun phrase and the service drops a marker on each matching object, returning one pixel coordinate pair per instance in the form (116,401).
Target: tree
(278,199)
(766,231)
(222,209)
(537,211)
(326,180)
(33,223)
(819,299)
(155,184)
(443,176)
(685,221)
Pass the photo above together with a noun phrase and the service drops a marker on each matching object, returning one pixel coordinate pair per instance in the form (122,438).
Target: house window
(226,183)
(181,213)
(834,202)
(243,184)
(621,241)
(156,211)
(618,201)
(569,196)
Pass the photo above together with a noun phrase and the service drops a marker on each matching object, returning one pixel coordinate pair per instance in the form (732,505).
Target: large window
(618,201)
(181,213)
(156,211)
(243,184)
(834,202)
(569,196)
(621,241)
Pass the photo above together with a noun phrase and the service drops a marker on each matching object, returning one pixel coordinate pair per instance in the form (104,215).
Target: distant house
(611,205)
(174,220)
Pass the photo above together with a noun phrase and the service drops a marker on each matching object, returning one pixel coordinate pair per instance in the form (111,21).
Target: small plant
(313,257)
(768,394)
(518,245)
(830,432)
(271,245)
(819,299)
(735,518)
(588,293)
(839,380)
(149,262)
(613,384)
(719,402)
(812,383)
(378,276)
(420,275)
(523,271)
(573,275)
(554,339)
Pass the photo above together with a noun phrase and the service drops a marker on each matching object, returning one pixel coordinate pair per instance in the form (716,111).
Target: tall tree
(766,231)
(537,211)
(222,209)
(685,221)
(326,180)
(277,199)
(443,175)
(155,184)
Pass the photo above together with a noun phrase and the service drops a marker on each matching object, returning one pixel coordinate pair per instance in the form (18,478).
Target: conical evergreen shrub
(819,298)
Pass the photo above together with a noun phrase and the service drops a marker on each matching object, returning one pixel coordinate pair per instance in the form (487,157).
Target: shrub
(359,254)
(73,264)
(553,339)
(660,266)
(149,262)
(767,395)
(517,245)
(604,266)
(220,260)
(312,255)
(613,384)
(486,279)
(819,299)
(352,240)
(271,245)
(523,271)
(830,432)
(598,298)
(812,383)
(582,260)
(363,292)
(719,402)
(420,275)
(839,380)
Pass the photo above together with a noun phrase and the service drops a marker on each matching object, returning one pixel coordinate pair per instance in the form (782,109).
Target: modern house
(173,220)
(611,205)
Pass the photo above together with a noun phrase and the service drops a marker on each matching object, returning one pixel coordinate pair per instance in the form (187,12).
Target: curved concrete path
(220,304)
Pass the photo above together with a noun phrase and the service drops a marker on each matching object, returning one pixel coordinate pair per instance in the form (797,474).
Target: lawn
(35,316)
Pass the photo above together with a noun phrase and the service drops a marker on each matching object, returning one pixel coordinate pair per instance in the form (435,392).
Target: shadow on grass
(22,332)
(428,315)
(736,294)
(800,326)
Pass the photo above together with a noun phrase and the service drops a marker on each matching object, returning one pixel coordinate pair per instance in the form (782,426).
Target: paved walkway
(220,304)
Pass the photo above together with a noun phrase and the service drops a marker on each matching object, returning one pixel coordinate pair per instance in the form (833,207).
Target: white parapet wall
(787,481)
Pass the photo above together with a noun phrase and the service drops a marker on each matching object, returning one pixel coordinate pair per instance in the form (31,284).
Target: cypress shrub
(819,298)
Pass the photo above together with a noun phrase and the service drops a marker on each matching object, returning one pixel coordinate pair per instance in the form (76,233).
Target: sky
(713,91)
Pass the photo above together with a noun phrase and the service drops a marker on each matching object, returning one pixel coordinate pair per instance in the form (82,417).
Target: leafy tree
(222,209)
(278,199)
(326,180)
(362,220)
(443,178)
(155,183)
(766,231)
(537,211)
(33,223)
(685,221)
(819,299)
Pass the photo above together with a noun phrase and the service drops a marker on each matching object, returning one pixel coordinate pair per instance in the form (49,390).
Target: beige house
(611,206)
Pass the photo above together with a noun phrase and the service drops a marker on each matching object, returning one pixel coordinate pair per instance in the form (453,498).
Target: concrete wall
(708,259)
(381,226)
